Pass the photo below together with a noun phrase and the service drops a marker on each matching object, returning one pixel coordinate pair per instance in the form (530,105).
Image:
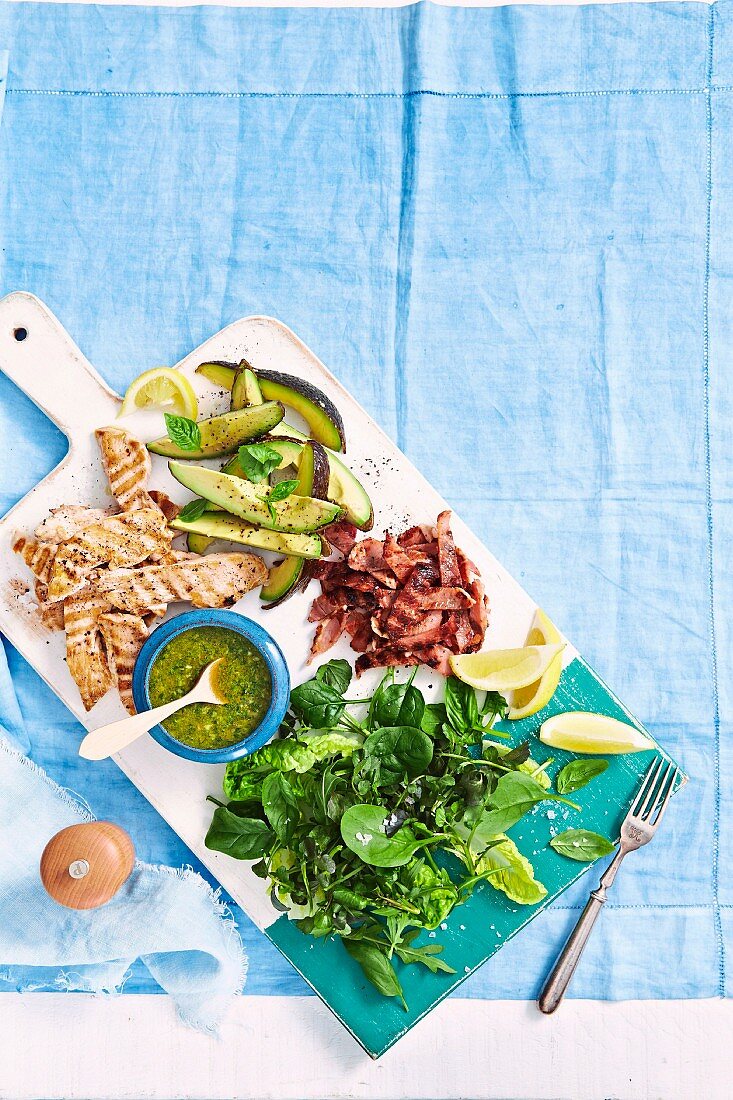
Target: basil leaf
(395,751)
(582,845)
(277,800)
(337,674)
(185,433)
(257,460)
(239,837)
(377,967)
(282,490)
(516,756)
(508,870)
(399,705)
(460,705)
(193,510)
(317,704)
(577,773)
(363,831)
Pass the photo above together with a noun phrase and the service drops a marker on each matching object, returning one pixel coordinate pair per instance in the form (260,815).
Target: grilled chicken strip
(85,657)
(126,463)
(120,540)
(217,580)
(50,614)
(68,520)
(123,638)
(38,556)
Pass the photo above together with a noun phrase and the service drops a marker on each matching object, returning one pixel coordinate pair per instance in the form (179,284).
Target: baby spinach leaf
(582,845)
(363,831)
(193,510)
(278,798)
(395,751)
(507,869)
(516,756)
(317,704)
(377,967)
(399,705)
(577,773)
(336,673)
(185,433)
(258,460)
(433,718)
(460,705)
(239,837)
(515,794)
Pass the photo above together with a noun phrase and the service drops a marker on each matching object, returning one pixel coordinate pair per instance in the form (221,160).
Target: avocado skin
(323,418)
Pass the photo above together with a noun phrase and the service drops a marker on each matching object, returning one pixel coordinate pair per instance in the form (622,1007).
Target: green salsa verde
(243,679)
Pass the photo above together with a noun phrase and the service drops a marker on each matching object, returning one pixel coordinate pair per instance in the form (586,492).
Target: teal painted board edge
(476,930)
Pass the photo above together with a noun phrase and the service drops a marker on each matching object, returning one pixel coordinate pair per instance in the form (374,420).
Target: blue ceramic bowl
(259,638)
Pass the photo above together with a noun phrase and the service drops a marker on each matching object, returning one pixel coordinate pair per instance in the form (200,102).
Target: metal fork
(638,828)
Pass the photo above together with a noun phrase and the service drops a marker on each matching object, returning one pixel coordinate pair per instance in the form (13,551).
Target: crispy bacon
(342,535)
(405,600)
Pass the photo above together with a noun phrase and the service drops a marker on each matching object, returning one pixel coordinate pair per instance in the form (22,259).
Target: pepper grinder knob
(84,866)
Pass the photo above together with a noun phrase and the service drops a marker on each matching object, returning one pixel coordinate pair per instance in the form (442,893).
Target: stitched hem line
(71,92)
(709,511)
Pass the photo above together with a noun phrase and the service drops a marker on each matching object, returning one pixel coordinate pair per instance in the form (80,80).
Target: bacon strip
(413,599)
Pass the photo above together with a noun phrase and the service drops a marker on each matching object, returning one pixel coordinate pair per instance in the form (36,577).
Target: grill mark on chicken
(38,556)
(85,656)
(68,520)
(126,463)
(121,540)
(218,580)
(123,637)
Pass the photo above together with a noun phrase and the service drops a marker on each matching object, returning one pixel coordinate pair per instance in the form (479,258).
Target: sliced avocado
(221,374)
(290,576)
(320,414)
(343,487)
(222,435)
(245,388)
(241,497)
(197,544)
(221,525)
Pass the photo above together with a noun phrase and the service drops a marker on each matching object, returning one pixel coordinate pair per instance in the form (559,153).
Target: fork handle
(568,959)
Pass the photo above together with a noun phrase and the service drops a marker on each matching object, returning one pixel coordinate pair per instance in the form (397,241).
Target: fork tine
(648,787)
(660,791)
(665,801)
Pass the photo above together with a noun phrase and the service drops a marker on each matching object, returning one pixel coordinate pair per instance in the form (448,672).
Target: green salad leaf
(241,837)
(364,831)
(508,870)
(336,673)
(582,845)
(193,510)
(579,772)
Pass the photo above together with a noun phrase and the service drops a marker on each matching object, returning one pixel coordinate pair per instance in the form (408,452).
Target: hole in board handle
(20,334)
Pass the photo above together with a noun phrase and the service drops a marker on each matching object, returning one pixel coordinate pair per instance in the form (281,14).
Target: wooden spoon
(109,739)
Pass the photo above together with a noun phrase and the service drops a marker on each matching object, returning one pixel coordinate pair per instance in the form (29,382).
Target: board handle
(38,355)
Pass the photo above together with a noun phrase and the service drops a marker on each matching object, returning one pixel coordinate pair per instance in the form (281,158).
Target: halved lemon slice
(161,387)
(504,669)
(528,700)
(581,731)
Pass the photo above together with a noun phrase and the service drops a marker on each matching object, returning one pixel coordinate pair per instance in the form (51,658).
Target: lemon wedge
(161,387)
(528,700)
(580,731)
(504,669)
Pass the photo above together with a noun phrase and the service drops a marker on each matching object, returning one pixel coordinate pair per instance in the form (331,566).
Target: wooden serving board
(50,369)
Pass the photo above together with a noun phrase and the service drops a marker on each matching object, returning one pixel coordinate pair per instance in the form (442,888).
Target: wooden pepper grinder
(84,866)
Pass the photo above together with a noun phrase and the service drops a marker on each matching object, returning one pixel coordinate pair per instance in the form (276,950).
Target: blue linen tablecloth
(509,233)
